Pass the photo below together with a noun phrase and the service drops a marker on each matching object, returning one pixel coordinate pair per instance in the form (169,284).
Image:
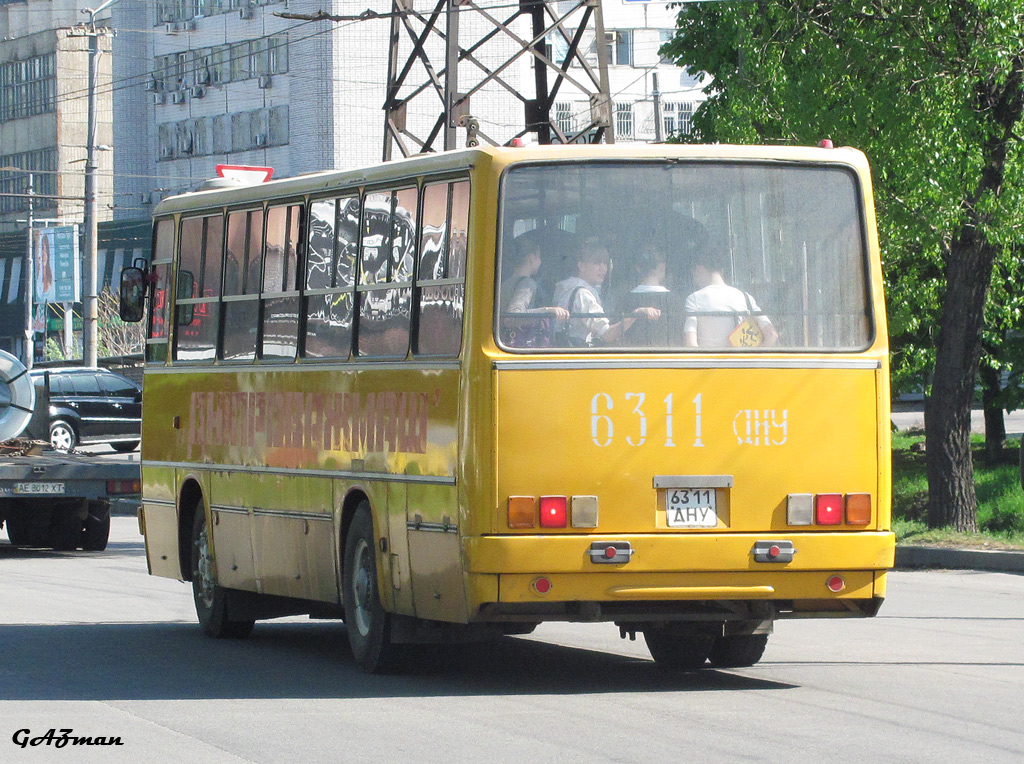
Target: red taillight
(123,486)
(828,508)
(553,511)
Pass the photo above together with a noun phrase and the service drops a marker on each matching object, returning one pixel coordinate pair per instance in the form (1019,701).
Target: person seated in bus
(719,315)
(580,295)
(523,323)
(650,292)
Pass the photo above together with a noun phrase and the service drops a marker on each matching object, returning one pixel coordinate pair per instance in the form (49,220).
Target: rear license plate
(691,508)
(43,488)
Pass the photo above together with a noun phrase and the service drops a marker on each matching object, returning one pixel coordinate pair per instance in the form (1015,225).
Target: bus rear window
(698,256)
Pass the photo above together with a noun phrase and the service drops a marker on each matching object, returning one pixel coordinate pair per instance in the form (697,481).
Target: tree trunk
(995,426)
(951,498)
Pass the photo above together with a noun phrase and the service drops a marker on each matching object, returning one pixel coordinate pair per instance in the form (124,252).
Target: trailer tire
(210,598)
(65,529)
(95,533)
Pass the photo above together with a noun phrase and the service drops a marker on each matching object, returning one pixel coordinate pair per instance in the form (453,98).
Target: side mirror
(133,295)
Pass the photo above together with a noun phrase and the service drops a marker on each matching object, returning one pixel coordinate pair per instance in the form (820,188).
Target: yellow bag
(747,333)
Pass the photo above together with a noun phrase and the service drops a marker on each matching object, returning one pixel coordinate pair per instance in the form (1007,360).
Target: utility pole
(433,74)
(30,283)
(659,123)
(89,297)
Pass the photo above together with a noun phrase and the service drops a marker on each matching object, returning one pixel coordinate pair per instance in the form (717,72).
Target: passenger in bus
(580,295)
(719,315)
(650,292)
(524,323)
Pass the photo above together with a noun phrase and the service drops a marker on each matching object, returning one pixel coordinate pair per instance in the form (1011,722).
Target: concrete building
(44,111)
(202,82)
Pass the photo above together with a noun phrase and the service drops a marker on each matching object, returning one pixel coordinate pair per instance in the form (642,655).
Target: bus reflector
(542,585)
(800,509)
(858,508)
(835,584)
(553,511)
(522,511)
(584,511)
(829,508)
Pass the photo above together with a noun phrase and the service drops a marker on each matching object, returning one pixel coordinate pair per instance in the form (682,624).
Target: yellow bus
(462,394)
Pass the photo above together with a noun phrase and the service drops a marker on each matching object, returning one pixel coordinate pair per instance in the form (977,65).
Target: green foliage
(905,82)
(1000,498)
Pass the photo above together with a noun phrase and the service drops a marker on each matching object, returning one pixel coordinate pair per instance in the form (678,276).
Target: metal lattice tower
(494,70)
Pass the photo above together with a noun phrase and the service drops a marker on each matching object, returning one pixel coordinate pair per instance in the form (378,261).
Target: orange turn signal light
(522,511)
(858,508)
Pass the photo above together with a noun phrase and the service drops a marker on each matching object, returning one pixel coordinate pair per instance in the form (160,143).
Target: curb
(959,559)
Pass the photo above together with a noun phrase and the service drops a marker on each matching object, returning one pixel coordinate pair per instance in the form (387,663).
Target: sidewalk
(908,556)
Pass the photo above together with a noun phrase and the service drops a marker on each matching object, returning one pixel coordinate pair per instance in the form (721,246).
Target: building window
(623,120)
(563,117)
(28,87)
(666,36)
(677,117)
(619,47)
(43,163)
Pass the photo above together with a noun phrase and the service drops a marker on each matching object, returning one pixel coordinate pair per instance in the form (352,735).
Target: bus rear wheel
(738,650)
(679,648)
(367,623)
(211,599)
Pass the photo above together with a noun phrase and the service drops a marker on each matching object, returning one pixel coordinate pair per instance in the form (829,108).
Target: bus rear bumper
(669,578)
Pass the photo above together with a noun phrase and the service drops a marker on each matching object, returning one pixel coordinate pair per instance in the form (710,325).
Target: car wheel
(211,599)
(126,447)
(367,623)
(738,650)
(685,649)
(62,436)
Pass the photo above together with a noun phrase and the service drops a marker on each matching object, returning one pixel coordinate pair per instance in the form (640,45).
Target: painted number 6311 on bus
(751,426)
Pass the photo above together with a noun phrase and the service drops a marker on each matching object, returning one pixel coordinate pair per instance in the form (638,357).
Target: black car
(93,406)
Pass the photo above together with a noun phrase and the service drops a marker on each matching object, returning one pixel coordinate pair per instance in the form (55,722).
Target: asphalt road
(89,642)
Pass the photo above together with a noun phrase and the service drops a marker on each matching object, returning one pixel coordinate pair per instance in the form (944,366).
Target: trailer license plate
(691,508)
(39,488)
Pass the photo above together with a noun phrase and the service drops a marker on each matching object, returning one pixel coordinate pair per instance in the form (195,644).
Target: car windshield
(695,256)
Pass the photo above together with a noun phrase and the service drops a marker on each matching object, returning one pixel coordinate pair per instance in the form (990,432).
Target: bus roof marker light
(828,508)
(553,511)
(826,144)
(245,173)
(800,508)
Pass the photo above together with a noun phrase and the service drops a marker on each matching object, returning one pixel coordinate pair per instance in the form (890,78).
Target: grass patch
(1000,498)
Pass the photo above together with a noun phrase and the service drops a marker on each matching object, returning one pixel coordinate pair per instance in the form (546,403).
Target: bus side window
(385,291)
(280,335)
(440,287)
(160,306)
(242,269)
(332,240)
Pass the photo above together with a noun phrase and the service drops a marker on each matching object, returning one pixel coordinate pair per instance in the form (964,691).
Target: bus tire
(685,649)
(367,623)
(211,599)
(738,650)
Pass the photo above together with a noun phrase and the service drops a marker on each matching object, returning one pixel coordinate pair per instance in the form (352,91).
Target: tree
(116,338)
(934,93)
